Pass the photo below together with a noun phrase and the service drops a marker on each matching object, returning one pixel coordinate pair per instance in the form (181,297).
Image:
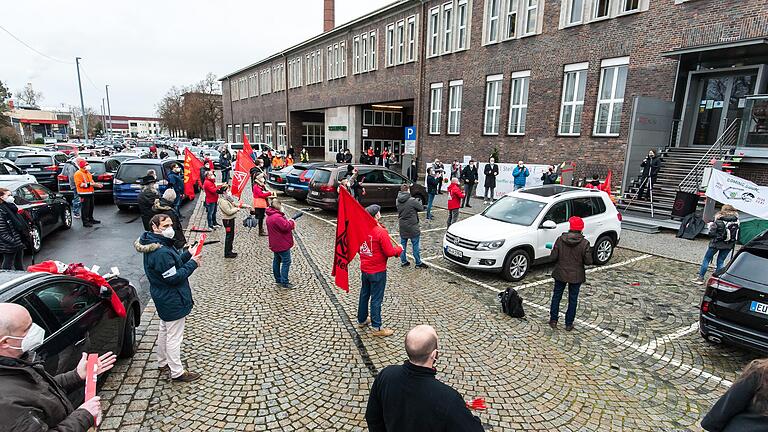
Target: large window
(601,8)
(244,88)
(364,52)
(230,137)
(531,16)
(518,102)
(247,131)
(234,89)
(282,136)
(410,31)
(574,84)
(455,90)
(511,19)
(492,104)
(314,135)
(314,67)
(337,62)
(265,81)
(268,133)
(295,72)
(435,107)
(390,45)
(382,118)
(401,41)
(493,9)
(253,85)
(462,18)
(613,80)
(278,77)
(447,28)
(434,31)
(238,134)
(256,133)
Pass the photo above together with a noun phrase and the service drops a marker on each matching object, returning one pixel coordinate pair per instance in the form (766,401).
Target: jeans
(486,195)
(468,193)
(430,200)
(440,185)
(229,235)
(722,254)
(453,216)
(573,299)
(75,203)
(177,205)
(225,176)
(373,290)
(281,263)
(211,213)
(416,251)
(13,260)
(168,349)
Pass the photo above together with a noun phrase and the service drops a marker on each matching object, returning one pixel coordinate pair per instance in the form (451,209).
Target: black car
(76,315)
(47,210)
(734,309)
(11,153)
(103,170)
(45,166)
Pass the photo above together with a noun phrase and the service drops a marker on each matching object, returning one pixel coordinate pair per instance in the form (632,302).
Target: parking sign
(410,140)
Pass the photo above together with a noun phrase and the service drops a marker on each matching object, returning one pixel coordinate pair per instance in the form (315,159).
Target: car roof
(553,191)
(12,184)
(42,153)
(9,279)
(144,162)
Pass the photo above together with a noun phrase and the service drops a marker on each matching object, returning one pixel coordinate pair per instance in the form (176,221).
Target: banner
(349,236)
(742,194)
(505,183)
(192,167)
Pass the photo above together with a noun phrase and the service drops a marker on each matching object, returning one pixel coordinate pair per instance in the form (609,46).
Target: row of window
(401,41)
(364,49)
(448,30)
(337,60)
(382,118)
(574,12)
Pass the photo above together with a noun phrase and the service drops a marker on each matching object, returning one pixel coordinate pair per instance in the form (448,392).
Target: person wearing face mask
(469,176)
(14,233)
(651,166)
(280,229)
(520,174)
(226,166)
(229,207)
(260,195)
(211,199)
(69,170)
(164,205)
(413,172)
(31,399)
(85,185)
(491,171)
(549,177)
(168,270)
(409,398)
(176,181)
(146,198)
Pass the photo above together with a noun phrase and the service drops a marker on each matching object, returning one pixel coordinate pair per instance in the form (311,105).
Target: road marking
(434,229)
(313,215)
(431,257)
(670,337)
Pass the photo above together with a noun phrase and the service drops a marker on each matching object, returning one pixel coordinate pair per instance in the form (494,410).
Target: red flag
(606,186)
(241,173)
(349,236)
(192,167)
(247,146)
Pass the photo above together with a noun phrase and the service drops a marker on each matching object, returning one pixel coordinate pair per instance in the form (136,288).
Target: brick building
(596,82)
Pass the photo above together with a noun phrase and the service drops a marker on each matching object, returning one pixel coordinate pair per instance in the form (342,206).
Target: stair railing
(724,144)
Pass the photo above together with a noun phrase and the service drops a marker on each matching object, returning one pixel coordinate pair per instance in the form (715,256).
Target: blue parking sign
(410,133)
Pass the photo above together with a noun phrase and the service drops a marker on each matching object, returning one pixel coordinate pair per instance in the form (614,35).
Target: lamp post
(109,113)
(82,104)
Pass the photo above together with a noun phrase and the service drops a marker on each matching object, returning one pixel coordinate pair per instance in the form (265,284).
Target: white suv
(515,231)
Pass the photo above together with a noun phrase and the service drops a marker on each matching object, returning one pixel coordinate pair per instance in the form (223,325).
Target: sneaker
(232,255)
(383,332)
(187,376)
(364,324)
(569,327)
(94,221)
(698,280)
(421,265)
(287,285)
(405,264)
(76,216)
(553,324)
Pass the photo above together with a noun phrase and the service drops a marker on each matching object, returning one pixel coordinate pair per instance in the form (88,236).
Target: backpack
(730,232)
(250,222)
(511,303)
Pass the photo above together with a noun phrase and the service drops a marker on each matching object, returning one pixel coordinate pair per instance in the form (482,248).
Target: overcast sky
(143,47)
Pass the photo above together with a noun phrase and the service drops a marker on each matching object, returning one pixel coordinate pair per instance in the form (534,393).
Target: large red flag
(606,186)
(247,146)
(241,173)
(192,167)
(353,226)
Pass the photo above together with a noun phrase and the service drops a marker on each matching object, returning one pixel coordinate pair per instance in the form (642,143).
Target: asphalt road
(107,245)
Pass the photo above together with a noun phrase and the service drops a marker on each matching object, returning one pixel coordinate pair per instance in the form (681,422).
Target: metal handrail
(717,149)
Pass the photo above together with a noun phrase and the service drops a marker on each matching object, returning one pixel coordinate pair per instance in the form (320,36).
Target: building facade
(545,81)
(135,127)
(40,123)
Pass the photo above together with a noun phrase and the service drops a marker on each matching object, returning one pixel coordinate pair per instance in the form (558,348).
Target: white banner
(742,194)
(505,183)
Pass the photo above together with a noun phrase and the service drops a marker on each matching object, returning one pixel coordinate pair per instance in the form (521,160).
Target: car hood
(481,228)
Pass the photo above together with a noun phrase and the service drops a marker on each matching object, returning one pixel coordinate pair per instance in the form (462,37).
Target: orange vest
(83,176)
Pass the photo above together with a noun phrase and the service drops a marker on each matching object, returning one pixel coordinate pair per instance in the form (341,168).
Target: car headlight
(490,245)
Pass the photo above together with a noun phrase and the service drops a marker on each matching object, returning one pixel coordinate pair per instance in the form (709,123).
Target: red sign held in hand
(91,369)
(200,243)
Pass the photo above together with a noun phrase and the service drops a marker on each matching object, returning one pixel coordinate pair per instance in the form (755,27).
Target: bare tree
(8,134)
(195,111)
(94,120)
(29,97)
(170,110)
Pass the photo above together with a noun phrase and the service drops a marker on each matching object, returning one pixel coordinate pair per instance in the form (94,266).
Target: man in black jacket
(651,166)
(491,171)
(550,177)
(469,176)
(146,199)
(408,397)
(33,400)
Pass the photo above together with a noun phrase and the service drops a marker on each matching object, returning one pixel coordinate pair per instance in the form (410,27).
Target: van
(126,185)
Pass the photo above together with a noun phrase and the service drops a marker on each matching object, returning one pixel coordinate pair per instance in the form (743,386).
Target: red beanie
(577,223)
(82,163)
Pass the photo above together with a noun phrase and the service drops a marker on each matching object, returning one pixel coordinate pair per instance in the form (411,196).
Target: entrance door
(721,99)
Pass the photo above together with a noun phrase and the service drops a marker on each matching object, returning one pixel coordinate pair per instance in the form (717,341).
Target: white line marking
(434,229)
(670,337)
(431,257)
(313,215)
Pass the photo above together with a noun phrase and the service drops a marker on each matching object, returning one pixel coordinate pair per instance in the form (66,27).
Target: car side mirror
(548,224)
(105,293)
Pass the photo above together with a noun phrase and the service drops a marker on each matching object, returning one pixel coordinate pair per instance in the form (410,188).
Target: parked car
(381,186)
(11,153)
(512,233)
(297,180)
(734,308)
(276,178)
(45,166)
(103,170)
(10,172)
(233,148)
(76,316)
(122,157)
(48,210)
(126,182)
(201,152)
(67,149)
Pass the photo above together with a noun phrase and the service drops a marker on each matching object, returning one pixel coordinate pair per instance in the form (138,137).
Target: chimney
(329,13)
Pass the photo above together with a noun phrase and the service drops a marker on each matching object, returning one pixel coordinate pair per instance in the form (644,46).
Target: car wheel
(516,265)
(130,344)
(123,207)
(66,218)
(37,239)
(603,250)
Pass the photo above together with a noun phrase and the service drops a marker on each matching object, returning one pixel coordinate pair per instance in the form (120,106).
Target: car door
(392,188)
(372,181)
(27,199)
(589,209)
(51,212)
(558,213)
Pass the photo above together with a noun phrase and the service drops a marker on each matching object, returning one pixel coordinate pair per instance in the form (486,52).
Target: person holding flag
(229,207)
(192,167)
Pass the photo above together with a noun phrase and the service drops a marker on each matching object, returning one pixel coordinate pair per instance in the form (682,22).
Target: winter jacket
(176,181)
(280,230)
(651,166)
(168,271)
(690,226)
(347,158)
(413,173)
(733,412)
(34,401)
(432,184)
(11,237)
(490,171)
(408,398)
(211,191)
(375,251)
(439,169)
(408,209)
(455,171)
(718,233)
(339,157)
(145,201)
(549,178)
(571,254)
(225,164)
(161,206)
(69,170)
(469,174)
(82,176)
(456,194)
(520,175)
(227,208)
(304,155)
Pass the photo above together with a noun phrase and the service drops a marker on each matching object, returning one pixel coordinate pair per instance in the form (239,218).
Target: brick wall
(756,173)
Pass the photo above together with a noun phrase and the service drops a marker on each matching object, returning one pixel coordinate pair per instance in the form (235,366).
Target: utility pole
(103,116)
(109,112)
(82,104)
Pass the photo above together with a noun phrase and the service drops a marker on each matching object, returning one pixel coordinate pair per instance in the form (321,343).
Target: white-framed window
(278,77)
(447,27)
(313,134)
(253,85)
(531,16)
(462,22)
(492,104)
(230,136)
(601,9)
(382,118)
(295,72)
(337,62)
(410,31)
(244,88)
(364,49)
(435,107)
(364,52)
(373,48)
(268,133)
(574,12)
(234,90)
(256,133)
(265,81)
(455,94)
(610,96)
(247,131)
(400,39)
(238,136)
(390,45)
(282,136)
(572,106)
(492,12)
(356,55)
(518,102)
(434,31)
(314,67)
(511,19)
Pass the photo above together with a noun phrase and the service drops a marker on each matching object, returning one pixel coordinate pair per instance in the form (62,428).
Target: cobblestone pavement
(285,360)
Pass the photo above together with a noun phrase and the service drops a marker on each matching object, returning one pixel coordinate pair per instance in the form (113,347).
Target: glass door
(721,100)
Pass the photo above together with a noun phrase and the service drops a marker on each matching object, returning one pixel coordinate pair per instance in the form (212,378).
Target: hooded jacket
(11,238)
(456,194)
(408,209)
(161,206)
(718,232)
(32,400)
(376,249)
(168,271)
(145,201)
(520,175)
(571,254)
(280,230)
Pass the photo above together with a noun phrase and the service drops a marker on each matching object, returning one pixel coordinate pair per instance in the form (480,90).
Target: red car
(68,149)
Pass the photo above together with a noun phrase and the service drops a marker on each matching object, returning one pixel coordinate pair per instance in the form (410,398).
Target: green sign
(337,128)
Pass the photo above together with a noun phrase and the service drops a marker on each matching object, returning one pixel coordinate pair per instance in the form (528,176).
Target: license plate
(761,308)
(290,189)
(33,169)
(135,186)
(314,193)
(454,252)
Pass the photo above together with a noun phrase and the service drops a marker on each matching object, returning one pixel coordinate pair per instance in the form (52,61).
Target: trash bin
(685,203)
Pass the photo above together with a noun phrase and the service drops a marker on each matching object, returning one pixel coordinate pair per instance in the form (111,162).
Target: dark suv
(734,309)
(45,166)
(381,186)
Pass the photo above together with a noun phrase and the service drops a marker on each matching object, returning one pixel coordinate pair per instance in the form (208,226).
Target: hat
(577,223)
(373,209)
(147,180)
(82,163)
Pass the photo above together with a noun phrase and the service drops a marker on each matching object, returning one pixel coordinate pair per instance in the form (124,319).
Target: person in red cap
(84,185)
(571,255)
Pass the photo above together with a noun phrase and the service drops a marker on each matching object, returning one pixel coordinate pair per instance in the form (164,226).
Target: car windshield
(514,210)
(750,265)
(129,173)
(33,160)
(321,177)
(236,146)
(97,167)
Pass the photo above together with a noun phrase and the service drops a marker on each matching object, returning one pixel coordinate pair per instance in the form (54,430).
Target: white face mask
(168,233)
(32,340)
(9,199)
(87,167)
